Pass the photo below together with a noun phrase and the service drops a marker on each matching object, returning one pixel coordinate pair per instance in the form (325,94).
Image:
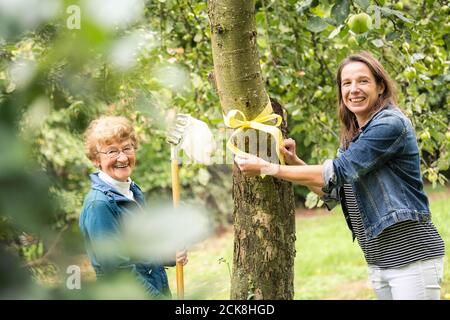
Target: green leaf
(316,24)
(320,10)
(285,80)
(391,36)
(417,56)
(377,43)
(261,42)
(260,18)
(198,37)
(344,31)
(11,87)
(398,14)
(311,200)
(303,6)
(340,10)
(200,7)
(203,176)
(363,4)
(284,29)
(443,162)
(377,17)
(335,32)
(361,38)
(420,100)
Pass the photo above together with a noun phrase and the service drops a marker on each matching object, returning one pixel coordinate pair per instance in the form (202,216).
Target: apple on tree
(360,23)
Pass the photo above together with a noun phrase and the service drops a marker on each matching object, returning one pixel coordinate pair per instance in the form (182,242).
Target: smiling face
(359,89)
(120,167)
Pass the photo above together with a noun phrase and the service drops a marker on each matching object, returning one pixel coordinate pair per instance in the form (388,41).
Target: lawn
(336,271)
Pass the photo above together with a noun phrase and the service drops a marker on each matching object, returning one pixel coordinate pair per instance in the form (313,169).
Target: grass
(328,264)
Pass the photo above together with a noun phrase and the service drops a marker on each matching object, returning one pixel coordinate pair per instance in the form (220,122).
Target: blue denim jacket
(382,165)
(100,221)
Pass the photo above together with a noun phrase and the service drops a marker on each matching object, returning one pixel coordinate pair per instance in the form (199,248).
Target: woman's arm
(306,175)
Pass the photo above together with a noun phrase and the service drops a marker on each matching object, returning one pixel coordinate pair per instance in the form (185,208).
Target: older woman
(376,178)
(110,143)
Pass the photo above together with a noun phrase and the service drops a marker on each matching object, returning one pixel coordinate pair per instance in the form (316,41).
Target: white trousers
(420,280)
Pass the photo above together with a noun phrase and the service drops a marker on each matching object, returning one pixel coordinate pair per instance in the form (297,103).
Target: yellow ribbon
(236,119)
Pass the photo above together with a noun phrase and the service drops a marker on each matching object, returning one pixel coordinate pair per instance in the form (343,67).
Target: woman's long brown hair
(350,125)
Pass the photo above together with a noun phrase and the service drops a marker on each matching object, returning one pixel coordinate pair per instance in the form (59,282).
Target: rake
(174,137)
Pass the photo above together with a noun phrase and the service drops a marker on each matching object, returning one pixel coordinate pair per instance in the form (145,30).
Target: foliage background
(150,59)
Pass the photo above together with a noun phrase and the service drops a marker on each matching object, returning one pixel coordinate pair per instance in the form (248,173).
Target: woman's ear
(96,164)
(381,88)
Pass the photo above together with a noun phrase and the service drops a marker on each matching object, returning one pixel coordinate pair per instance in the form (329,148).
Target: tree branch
(45,258)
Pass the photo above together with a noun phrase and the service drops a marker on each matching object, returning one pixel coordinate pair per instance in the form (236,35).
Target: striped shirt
(400,244)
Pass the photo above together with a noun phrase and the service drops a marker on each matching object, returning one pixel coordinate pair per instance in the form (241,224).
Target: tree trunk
(263,217)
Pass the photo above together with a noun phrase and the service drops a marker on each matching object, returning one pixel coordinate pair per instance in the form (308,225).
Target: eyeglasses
(114,153)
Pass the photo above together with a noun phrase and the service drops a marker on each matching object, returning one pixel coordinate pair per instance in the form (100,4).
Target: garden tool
(196,140)
(174,137)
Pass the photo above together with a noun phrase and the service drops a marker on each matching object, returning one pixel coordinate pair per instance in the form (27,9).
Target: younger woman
(376,178)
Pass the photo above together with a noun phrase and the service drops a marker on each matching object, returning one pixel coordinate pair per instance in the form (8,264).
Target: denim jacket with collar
(100,220)
(382,165)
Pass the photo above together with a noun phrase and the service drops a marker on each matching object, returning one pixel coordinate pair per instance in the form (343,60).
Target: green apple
(429,60)
(360,23)
(398,5)
(405,46)
(424,136)
(432,176)
(273,81)
(447,135)
(318,94)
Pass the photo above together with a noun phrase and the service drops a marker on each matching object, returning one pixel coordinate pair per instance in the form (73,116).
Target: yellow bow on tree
(236,119)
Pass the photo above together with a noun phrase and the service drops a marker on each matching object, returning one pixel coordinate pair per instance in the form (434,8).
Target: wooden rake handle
(180,281)
(176,201)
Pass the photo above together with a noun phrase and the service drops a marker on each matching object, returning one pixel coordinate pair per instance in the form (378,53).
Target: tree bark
(263,217)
